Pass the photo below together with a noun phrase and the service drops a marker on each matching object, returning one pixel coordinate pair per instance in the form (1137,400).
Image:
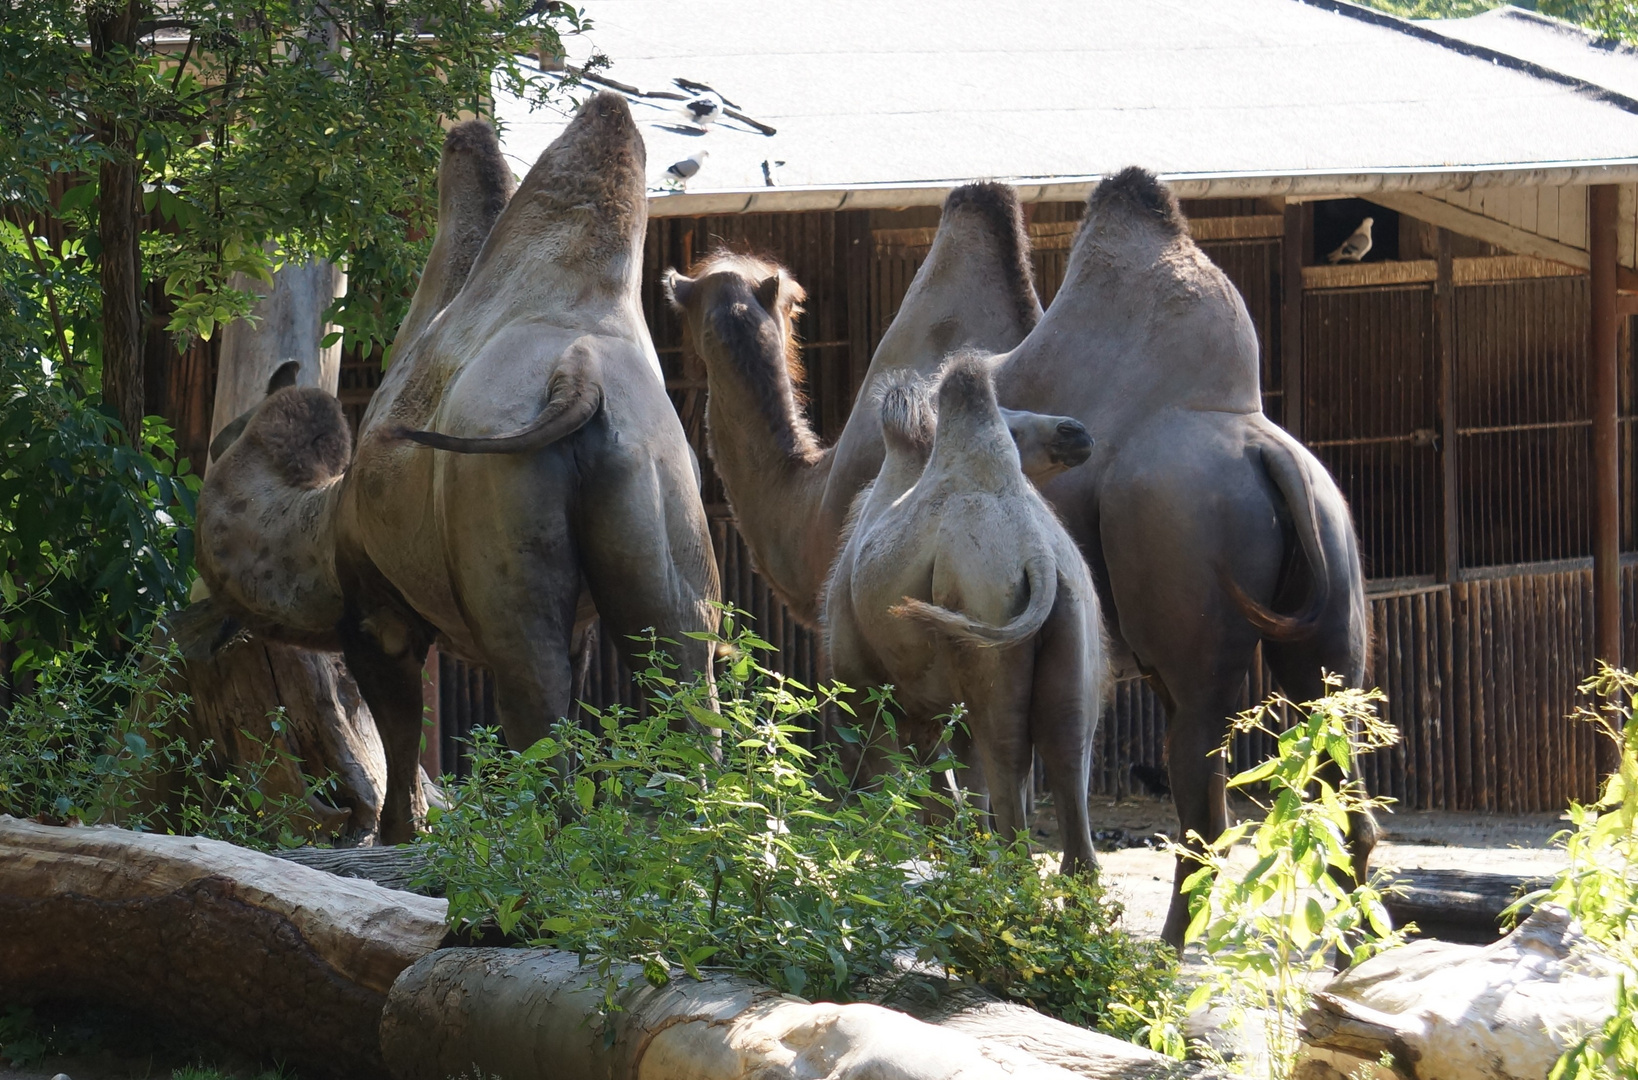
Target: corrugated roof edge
(1185,185)
(1478,52)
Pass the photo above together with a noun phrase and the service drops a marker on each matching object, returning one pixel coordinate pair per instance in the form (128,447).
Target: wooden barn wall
(1480,672)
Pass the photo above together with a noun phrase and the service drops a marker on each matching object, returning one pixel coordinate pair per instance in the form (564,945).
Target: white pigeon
(681,171)
(1356,247)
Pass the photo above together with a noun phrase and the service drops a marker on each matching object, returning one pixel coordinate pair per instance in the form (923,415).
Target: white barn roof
(883,103)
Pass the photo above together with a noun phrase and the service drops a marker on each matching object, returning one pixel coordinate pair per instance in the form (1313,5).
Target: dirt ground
(1142,876)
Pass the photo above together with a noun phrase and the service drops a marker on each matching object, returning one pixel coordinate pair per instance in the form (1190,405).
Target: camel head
(579,216)
(741,313)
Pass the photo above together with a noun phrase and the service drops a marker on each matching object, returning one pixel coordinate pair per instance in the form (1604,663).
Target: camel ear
(678,288)
(284,375)
(767,294)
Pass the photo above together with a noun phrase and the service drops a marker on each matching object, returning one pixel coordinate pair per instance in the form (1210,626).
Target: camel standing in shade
(562,467)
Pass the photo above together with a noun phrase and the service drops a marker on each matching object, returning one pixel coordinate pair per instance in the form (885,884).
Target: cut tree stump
(238,684)
(243,948)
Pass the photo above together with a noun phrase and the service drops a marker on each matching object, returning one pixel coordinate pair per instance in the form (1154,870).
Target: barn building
(1469,383)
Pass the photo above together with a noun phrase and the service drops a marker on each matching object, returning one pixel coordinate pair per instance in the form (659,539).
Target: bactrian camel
(957,584)
(578,476)
(1224,520)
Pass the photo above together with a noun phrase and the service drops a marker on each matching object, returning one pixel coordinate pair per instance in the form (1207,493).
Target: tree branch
(15,214)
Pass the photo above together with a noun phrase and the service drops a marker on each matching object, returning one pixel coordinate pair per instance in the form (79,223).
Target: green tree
(185,142)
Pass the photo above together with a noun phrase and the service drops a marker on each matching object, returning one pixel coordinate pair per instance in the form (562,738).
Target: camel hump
(574,394)
(302,432)
(997,205)
(1139,192)
(908,417)
(1291,480)
(1041,575)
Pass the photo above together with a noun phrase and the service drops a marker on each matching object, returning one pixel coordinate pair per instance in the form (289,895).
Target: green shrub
(72,752)
(639,842)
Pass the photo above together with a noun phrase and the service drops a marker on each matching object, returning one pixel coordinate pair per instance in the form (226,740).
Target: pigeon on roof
(705,111)
(1355,247)
(682,171)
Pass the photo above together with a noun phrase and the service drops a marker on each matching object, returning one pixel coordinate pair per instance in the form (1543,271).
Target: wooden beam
(1291,285)
(1602,355)
(1467,223)
(1355,275)
(1444,344)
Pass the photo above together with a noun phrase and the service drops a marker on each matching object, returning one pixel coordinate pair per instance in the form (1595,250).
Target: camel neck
(774,472)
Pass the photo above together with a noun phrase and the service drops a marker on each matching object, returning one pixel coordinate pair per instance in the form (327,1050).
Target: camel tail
(1292,481)
(573,395)
(1043,593)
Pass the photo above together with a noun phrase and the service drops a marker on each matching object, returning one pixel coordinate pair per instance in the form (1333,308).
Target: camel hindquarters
(514,564)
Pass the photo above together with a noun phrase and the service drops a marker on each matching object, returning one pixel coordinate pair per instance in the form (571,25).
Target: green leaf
(585,791)
(77,198)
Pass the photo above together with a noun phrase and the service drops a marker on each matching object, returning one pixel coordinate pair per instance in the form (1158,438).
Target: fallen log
(400,866)
(1505,1011)
(528,1014)
(271,956)
(1457,905)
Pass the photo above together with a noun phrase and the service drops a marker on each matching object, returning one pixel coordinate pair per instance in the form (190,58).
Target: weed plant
(1268,932)
(72,751)
(1600,883)
(734,846)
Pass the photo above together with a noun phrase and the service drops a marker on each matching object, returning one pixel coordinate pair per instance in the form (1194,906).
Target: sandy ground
(1142,877)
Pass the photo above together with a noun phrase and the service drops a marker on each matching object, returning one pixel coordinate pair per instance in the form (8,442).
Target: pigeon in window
(681,172)
(704,111)
(1356,247)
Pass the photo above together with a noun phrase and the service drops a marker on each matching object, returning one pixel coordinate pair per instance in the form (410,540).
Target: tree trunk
(276,958)
(289,325)
(113,29)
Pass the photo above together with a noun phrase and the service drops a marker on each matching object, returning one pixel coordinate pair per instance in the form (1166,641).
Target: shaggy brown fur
(1142,191)
(999,203)
(908,416)
(475,140)
(303,430)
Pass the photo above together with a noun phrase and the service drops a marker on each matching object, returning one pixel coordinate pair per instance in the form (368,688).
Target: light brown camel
(571,474)
(957,584)
(789,494)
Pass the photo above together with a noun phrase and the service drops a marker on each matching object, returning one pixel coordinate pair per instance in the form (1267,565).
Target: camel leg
(1297,667)
(385,655)
(998,696)
(1195,729)
(1063,720)
(528,646)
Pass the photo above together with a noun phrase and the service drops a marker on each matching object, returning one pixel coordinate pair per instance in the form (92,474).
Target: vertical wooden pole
(1291,258)
(1602,249)
(1444,343)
